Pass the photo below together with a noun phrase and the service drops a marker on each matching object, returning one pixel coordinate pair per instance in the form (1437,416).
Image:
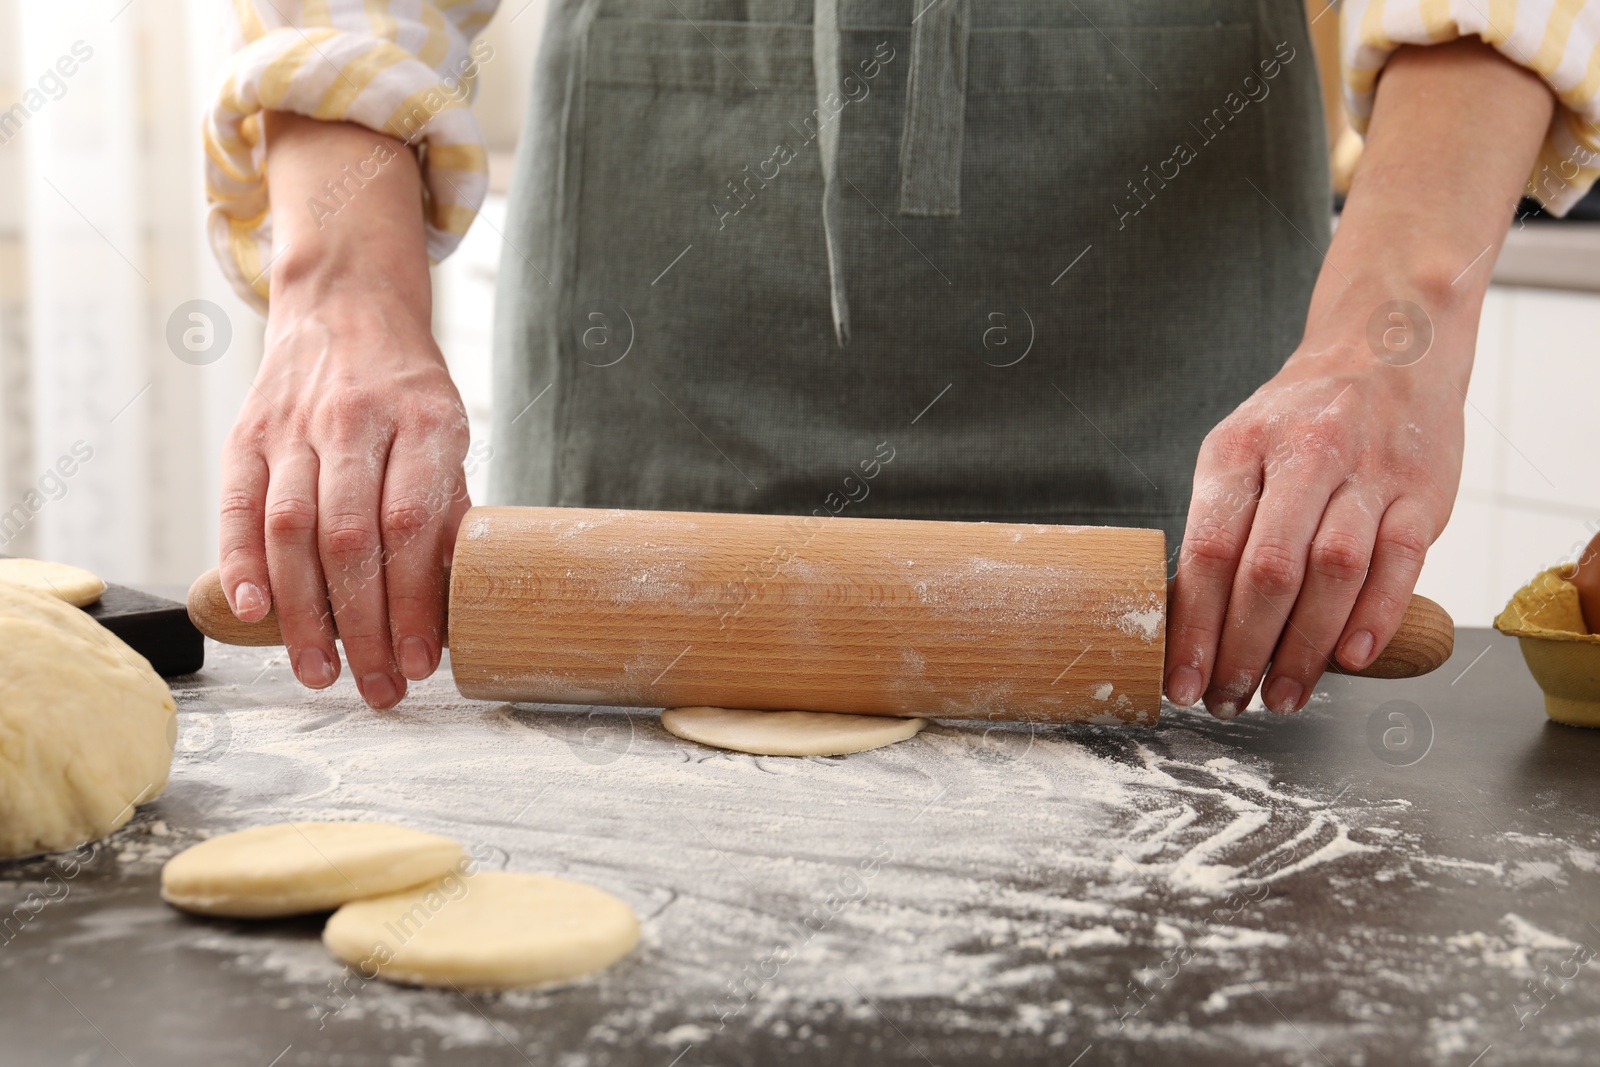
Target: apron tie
(825,47)
(936,107)
(930,143)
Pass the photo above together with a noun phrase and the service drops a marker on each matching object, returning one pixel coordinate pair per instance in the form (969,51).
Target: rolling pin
(957,620)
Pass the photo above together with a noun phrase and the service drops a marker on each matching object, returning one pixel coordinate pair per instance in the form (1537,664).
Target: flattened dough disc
(788,733)
(493,930)
(75,585)
(292,868)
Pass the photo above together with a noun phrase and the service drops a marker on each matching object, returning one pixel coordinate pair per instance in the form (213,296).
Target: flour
(721,853)
(1514,947)
(1145,622)
(1005,856)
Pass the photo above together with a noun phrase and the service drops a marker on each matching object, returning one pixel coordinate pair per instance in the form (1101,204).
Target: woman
(1063,262)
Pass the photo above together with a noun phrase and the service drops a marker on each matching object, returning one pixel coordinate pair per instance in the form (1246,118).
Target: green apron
(967,259)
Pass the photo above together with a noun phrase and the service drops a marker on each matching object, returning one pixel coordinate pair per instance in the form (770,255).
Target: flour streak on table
(1044,888)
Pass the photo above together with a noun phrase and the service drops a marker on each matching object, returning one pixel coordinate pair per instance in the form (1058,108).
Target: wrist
(319,275)
(1383,297)
(1422,259)
(346,214)
(363,325)
(1390,326)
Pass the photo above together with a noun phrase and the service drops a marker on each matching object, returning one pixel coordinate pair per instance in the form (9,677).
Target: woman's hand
(1314,506)
(1315,502)
(1587,578)
(342,480)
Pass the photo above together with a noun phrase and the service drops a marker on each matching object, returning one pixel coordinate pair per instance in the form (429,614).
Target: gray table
(1381,879)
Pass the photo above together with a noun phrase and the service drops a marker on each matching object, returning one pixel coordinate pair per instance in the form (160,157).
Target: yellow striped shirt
(402,67)
(1557,39)
(407,68)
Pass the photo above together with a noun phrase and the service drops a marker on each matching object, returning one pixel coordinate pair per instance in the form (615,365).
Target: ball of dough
(485,931)
(293,868)
(86,726)
(63,581)
(788,733)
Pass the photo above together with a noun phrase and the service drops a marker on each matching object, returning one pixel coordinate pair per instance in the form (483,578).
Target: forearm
(1454,133)
(347,214)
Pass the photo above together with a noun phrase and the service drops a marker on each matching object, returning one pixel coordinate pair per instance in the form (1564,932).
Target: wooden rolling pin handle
(1426,637)
(211,615)
(1424,641)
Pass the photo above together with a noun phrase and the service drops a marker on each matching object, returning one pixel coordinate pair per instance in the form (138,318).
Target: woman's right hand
(342,481)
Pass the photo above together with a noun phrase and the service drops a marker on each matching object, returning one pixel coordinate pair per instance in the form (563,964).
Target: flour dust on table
(983,886)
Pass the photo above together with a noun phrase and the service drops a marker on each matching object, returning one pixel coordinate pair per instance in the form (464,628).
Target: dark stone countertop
(1311,890)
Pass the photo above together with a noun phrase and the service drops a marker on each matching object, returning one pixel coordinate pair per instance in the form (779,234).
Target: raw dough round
(75,585)
(293,868)
(485,931)
(788,733)
(86,727)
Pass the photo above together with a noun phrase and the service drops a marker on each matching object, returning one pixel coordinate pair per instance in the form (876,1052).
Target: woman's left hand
(1315,502)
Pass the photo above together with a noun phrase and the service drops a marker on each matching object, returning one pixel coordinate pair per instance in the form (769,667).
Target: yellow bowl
(1563,655)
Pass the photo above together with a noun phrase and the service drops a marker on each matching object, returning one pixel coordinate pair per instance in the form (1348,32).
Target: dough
(291,868)
(485,931)
(86,726)
(788,733)
(75,585)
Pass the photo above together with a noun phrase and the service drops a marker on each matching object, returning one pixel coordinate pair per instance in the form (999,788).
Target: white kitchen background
(101,239)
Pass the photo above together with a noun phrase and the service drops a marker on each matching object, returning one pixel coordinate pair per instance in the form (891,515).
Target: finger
(418,500)
(460,504)
(349,494)
(296,570)
(1227,491)
(1335,568)
(241,540)
(1403,539)
(1267,583)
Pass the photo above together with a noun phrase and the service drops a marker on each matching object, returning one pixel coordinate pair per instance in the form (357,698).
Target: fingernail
(1183,686)
(1358,649)
(1225,709)
(314,669)
(249,602)
(378,689)
(416,659)
(1283,695)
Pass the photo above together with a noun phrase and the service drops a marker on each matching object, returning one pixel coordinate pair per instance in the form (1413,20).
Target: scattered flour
(977,865)
(1002,850)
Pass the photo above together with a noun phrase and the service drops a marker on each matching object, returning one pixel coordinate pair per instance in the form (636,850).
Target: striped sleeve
(1557,39)
(406,68)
